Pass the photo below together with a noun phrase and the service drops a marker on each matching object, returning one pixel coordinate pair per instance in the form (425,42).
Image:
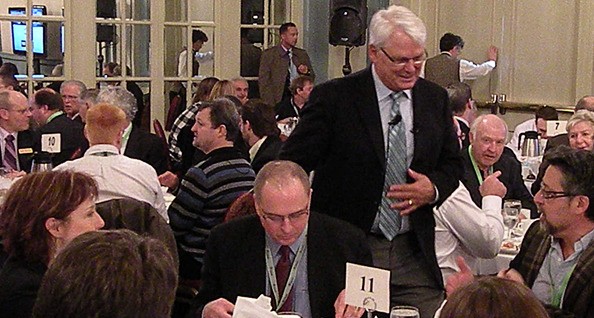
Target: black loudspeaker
(106,9)
(348,22)
(105,33)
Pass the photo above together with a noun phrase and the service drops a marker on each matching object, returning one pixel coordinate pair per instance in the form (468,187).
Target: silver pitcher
(42,161)
(531,145)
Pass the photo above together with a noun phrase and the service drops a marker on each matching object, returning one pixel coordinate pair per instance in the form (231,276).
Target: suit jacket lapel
(370,115)
(253,263)
(316,253)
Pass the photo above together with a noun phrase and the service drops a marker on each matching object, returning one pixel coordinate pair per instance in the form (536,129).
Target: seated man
(260,132)
(47,110)
(242,254)
(117,175)
(557,253)
(300,89)
(123,275)
(486,154)
(463,229)
(462,105)
(17,138)
(538,124)
(208,188)
(71,92)
(136,143)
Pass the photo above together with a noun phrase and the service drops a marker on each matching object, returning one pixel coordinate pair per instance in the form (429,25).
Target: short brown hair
(299,82)
(49,98)
(261,118)
(104,123)
(115,273)
(493,297)
(32,200)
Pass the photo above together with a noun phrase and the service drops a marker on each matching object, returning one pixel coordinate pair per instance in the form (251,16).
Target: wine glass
(511,213)
(404,312)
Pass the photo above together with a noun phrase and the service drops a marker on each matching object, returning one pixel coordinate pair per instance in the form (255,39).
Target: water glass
(404,312)
(511,212)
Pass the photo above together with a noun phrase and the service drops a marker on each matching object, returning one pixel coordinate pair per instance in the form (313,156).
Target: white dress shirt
(119,176)
(464,229)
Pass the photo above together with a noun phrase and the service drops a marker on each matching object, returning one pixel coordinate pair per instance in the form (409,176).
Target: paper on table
(246,307)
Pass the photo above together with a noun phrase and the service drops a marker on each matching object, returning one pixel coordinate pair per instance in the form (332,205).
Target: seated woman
(42,213)
(493,297)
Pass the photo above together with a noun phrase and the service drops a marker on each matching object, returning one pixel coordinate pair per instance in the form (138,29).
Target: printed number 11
(363,279)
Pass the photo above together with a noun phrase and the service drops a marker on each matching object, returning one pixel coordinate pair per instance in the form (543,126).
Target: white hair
(386,21)
(120,97)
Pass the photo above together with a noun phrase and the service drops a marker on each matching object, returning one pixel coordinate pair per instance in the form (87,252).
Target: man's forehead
(552,177)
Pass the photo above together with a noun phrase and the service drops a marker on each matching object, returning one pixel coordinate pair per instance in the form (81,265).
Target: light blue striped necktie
(389,219)
(292,68)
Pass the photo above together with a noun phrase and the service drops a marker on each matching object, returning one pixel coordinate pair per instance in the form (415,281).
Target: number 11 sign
(368,287)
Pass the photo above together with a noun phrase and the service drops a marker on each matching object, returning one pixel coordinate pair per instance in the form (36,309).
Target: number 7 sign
(368,287)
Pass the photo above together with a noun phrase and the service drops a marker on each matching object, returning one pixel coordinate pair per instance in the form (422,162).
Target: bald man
(486,155)
(16,140)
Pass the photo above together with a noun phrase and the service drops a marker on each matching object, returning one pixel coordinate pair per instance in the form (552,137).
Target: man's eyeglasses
(549,195)
(402,62)
(280,219)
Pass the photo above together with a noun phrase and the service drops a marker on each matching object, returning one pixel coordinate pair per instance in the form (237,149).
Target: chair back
(243,205)
(161,134)
(173,112)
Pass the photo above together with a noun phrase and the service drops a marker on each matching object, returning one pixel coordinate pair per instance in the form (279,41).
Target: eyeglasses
(549,195)
(280,219)
(402,62)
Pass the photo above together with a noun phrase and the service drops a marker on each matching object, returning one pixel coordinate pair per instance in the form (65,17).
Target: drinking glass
(404,312)
(511,212)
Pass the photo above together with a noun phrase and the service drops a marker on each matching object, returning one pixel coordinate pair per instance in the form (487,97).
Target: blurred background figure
(41,214)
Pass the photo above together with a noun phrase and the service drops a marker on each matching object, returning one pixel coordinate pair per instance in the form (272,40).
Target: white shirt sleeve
(479,231)
(471,71)
(182,63)
(203,57)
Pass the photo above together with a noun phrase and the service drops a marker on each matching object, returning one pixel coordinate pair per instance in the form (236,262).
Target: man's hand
(303,69)
(411,196)
(511,274)
(492,186)
(220,308)
(169,179)
(461,278)
(342,310)
(14,174)
(492,53)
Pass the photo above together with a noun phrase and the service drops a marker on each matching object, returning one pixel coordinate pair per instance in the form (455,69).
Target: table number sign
(51,143)
(368,287)
(556,127)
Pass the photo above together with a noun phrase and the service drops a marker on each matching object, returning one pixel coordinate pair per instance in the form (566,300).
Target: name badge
(25,151)
(51,143)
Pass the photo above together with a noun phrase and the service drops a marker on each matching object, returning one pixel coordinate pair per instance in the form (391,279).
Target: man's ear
(4,113)
(470,137)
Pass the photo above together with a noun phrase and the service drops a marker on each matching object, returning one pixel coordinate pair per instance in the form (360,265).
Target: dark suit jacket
(235,265)
(555,141)
(147,147)
(340,136)
(285,109)
(511,177)
(19,283)
(25,147)
(72,138)
(267,152)
(466,131)
(274,67)
(580,288)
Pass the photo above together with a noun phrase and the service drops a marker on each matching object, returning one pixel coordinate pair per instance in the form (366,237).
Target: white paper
(368,287)
(246,307)
(51,143)
(556,127)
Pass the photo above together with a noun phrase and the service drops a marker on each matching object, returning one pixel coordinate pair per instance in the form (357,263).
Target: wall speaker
(348,22)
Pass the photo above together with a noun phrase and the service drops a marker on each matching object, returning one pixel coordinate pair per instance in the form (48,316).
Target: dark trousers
(411,280)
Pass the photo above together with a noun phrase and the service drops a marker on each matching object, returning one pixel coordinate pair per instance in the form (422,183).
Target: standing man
(15,137)
(447,68)
(463,109)
(208,188)
(384,151)
(71,92)
(281,64)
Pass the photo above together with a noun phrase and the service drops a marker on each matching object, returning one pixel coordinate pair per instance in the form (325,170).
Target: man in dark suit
(486,155)
(463,108)
(281,64)
(47,110)
(291,107)
(344,135)
(14,121)
(136,143)
(242,256)
(260,132)
(71,91)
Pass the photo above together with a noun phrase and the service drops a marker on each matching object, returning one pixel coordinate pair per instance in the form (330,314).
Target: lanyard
(104,154)
(126,135)
(271,271)
(54,115)
(479,175)
(557,293)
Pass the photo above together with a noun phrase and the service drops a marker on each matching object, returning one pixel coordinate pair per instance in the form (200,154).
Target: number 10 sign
(368,287)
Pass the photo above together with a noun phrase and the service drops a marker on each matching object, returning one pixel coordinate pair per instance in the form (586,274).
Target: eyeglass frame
(417,61)
(280,219)
(550,195)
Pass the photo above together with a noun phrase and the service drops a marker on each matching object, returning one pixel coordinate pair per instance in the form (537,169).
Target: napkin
(246,307)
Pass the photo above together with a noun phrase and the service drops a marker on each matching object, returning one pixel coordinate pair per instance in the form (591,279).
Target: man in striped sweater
(208,188)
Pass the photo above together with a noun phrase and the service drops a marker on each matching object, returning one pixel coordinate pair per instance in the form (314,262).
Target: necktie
(389,219)
(292,68)
(283,267)
(10,153)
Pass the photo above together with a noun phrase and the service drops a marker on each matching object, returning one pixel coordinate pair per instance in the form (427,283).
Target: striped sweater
(205,193)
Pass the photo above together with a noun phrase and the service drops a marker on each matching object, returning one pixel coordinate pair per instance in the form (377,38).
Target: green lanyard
(54,115)
(126,135)
(479,175)
(557,293)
